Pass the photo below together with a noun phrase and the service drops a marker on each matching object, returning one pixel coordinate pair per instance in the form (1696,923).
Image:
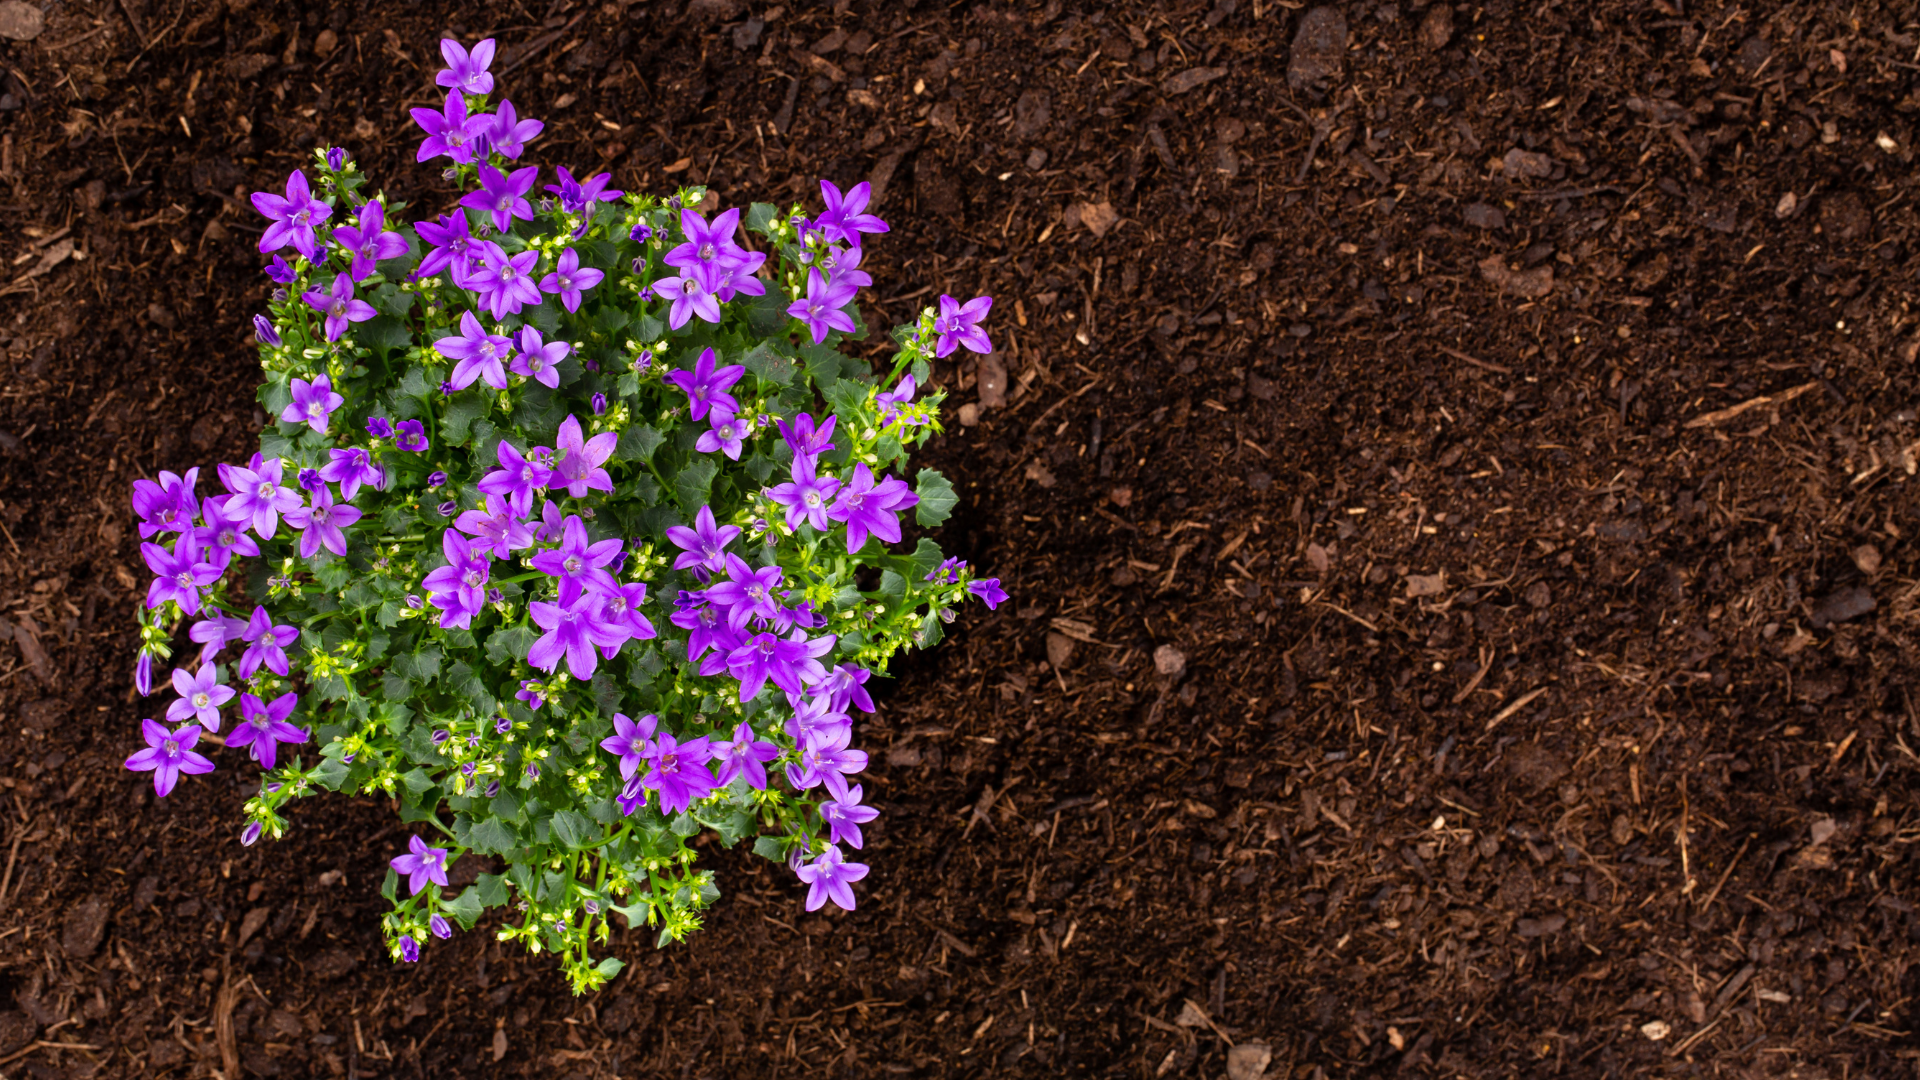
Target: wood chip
(1721,416)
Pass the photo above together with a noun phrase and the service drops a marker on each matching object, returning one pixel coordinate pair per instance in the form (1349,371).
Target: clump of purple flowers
(556,536)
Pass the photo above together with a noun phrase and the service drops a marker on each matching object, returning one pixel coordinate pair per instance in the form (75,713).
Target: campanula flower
(411,437)
(830,877)
(806,496)
(569,279)
(692,294)
(509,135)
(478,354)
(257,494)
(420,865)
(213,633)
(959,324)
(321,523)
(459,588)
(168,754)
(263,331)
(263,727)
(706,387)
(201,696)
(578,197)
(577,562)
(744,755)
(503,532)
(167,506)
(580,468)
(466,72)
(869,507)
(574,630)
(724,435)
(503,196)
(505,283)
(452,248)
(539,359)
(823,308)
(279,272)
(745,592)
(517,478)
(293,217)
(989,591)
(313,402)
(351,468)
(845,217)
(379,427)
(791,662)
(339,306)
(179,575)
(369,240)
(678,771)
(703,545)
(892,401)
(450,132)
(622,611)
(844,815)
(268,646)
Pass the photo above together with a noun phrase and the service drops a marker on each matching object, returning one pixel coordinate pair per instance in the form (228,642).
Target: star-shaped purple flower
(411,437)
(830,876)
(959,325)
(201,696)
(477,354)
(747,593)
(268,644)
(744,755)
(263,727)
(466,72)
(340,306)
(867,507)
(313,402)
(582,460)
(892,401)
(823,309)
(179,575)
(844,815)
(517,478)
(574,630)
(846,217)
(321,523)
(450,131)
(167,506)
(459,589)
(569,279)
(539,359)
(257,494)
(213,633)
(630,742)
(578,196)
(504,283)
(806,496)
(577,562)
(352,467)
(503,532)
(791,662)
(168,754)
(724,434)
(420,865)
(703,545)
(989,591)
(279,272)
(452,247)
(293,217)
(509,134)
(692,294)
(706,387)
(369,240)
(503,196)
(679,771)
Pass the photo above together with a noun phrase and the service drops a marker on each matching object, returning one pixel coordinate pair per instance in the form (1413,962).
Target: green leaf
(849,400)
(610,320)
(421,666)
(331,773)
(492,888)
(492,837)
(761,216)
(418,781)
(610,967)
(767,314)
(638,443)
(892,584)
(466,908)
(574,829)
(508,645)
(684,825)
(825,366)
(414,383)
(759,466)
(694,484)
(763,361)
(926,555)
(770,847)
(937,499)
(461,412)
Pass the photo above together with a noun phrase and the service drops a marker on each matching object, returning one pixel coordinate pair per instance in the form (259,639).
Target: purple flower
(830,876)
(510,134)
(737,277)
(573,628)
(480,355)
(540,360)
(339,306)
(579,469)
(892,401)
(815,719)
(578,197)
(411,437)
(263,727)
(703,545)
(466,72)
(724,435)
(989,591)
(641,233)
(569,279)
(409,948)
(621,610)
(843,264)
(806,497)
(168,754)
(279,272)
(948,571)
(320,524)
(790,662)
(450,132)
(844,815)
(709,249)
(293,217)
(459,588)
(143,672)
(504,532)
(867,507)
(263,331)
(827,760)
(379,427)
(201,696)
(336,158)
(692,294)
(845,687)
(679,771)
(629,742)
(822,310)
(369,241)
(213,633)
(578,563)
(168,506)
(845,219)
(250,835)
(505,284)
(744,755)
(706,388)
(599,403)
(516,479)
(746,593)
(179,575)
(310,480)
(530,692)
(453,248)
(257,494)
(959,324)
(420,865)
(268,644)
(352,467)
(503,196)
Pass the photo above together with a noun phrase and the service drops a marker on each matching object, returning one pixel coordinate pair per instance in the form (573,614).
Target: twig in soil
(45,1044)
(1475,361)
(1728,872)
(1518,704)
(12,857)
(223,1020)
(1486,665)
(1721,416)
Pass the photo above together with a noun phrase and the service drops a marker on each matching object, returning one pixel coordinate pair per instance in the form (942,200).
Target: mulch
(1452,464)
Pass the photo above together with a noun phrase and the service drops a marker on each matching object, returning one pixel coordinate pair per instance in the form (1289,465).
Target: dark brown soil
(1453,465)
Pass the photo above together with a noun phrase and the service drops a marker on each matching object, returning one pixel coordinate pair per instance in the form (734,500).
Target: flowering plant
(577,535)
